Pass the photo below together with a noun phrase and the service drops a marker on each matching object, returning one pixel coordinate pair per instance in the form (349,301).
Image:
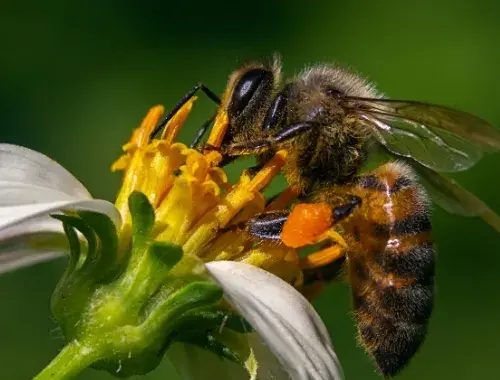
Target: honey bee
(333,123)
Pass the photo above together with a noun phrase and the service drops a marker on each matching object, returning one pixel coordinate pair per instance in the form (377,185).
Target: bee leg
(289,226)
(323,257)
(184,100)
(255,169)
(312,223)
(268,225)
(315,279)
(249,147)
(272,142)
(201,132)
(208,147)
(282,200)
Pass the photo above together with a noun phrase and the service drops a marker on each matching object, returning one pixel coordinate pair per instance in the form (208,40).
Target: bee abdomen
(391,342)
(393,280)
(393,305)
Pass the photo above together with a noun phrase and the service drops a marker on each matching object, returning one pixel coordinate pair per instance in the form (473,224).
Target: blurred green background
(75,78)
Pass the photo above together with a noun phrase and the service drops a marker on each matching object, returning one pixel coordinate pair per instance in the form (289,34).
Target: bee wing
(444,192)
(455,199)
(440,138)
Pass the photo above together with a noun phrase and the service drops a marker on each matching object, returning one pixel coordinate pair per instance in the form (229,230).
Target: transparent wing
(445,192)
(440,138)
(455,199)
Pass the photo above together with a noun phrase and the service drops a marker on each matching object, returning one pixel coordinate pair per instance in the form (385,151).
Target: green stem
(73,359)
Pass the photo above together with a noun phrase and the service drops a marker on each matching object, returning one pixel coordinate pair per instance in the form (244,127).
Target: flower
(147,273)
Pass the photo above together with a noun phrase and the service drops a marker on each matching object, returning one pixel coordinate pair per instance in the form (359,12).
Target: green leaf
(143,217)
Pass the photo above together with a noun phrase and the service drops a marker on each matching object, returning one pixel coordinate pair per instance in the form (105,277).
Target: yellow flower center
(193,200)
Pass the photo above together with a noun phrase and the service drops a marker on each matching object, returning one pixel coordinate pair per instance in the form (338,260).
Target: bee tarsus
(184,100)
(201,132)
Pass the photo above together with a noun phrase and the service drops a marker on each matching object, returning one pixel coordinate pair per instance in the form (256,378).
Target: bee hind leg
(268,225)
(306,224)
(323,257)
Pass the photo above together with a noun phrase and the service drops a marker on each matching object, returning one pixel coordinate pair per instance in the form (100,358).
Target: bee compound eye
(247,87)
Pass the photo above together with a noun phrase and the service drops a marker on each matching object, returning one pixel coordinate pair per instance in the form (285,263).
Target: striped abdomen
(391,265)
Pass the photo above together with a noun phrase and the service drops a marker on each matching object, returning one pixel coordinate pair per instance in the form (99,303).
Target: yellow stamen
(283,261)
(193,199)
(268,172)
(233,243)
(140,137)
(243,192)
(219,129)
(132,162)
(149,166)
(173,126)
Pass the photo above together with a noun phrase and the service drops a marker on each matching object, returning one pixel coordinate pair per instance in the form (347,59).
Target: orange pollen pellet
(305,223)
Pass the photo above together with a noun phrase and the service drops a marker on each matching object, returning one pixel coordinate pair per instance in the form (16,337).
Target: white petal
(25,166)
(15,193)
(284,319)
(269,366)
(28,234)
(23,253)
(13,216)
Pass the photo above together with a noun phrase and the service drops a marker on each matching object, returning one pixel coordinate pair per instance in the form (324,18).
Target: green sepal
(166,254)
(74,247)
(143,217)
(149,337)
(191,296)
(128,301)
(78,224)
(85,269)
(208,341)
(100,262)
(215,316)
(106,233)
(205,327)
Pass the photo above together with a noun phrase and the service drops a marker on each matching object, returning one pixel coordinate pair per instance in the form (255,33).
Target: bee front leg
(199,87)
(201,132)
(208,147)
(249,147)
(271,143)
